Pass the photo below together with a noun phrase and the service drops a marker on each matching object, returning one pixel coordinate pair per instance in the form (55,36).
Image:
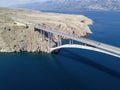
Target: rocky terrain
(104,5)
(17,32)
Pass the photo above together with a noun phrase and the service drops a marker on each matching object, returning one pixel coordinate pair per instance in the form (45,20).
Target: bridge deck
(105,47)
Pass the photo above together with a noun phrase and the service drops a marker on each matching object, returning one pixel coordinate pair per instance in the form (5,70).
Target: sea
(70,69)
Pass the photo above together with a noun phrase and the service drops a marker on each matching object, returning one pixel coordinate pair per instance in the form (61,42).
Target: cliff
(16,35)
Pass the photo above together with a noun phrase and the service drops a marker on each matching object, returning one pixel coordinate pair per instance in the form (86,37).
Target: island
(17,33)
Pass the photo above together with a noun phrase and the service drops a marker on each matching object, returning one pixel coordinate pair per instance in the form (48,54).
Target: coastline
(17,36)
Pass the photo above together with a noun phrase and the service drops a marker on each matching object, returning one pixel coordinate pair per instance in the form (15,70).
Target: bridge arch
(92,48)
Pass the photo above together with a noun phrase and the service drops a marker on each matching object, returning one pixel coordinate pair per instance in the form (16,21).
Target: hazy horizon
(8,3)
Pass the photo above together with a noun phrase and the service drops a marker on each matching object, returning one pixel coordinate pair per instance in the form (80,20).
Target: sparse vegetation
(103,5)
(16,34)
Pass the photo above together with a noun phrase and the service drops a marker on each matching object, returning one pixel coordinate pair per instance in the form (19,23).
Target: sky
(6,3)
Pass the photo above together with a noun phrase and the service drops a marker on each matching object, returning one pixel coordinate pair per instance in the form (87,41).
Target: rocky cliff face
(16,33)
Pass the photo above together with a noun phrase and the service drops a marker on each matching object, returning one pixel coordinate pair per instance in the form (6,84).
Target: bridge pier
(50,35)
(59,43)
(42,34)
(70,41)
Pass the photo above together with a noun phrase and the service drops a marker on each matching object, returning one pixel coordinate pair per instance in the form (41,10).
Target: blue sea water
(71,69)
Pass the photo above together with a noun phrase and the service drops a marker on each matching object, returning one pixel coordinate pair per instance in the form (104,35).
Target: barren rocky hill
(104,5)
(16,33)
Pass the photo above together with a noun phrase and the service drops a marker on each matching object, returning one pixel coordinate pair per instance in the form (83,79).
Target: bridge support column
(59,43)
(49,39)
(42,34)
(70,41)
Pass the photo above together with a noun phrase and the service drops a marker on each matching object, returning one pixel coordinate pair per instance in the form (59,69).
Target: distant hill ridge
(105,5)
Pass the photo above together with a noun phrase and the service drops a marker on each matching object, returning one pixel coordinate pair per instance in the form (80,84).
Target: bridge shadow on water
(89,62)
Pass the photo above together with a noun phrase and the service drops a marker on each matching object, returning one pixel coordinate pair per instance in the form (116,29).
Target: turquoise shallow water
(71,69)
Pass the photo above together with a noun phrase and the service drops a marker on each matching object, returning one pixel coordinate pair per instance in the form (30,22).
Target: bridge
(87,43)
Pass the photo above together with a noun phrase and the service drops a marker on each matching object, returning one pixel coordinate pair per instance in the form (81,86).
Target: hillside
(105,5)
(17,32)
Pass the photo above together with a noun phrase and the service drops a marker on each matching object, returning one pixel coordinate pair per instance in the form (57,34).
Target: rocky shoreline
(16,35)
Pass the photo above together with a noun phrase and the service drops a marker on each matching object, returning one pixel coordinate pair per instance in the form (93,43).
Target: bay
(71,69)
